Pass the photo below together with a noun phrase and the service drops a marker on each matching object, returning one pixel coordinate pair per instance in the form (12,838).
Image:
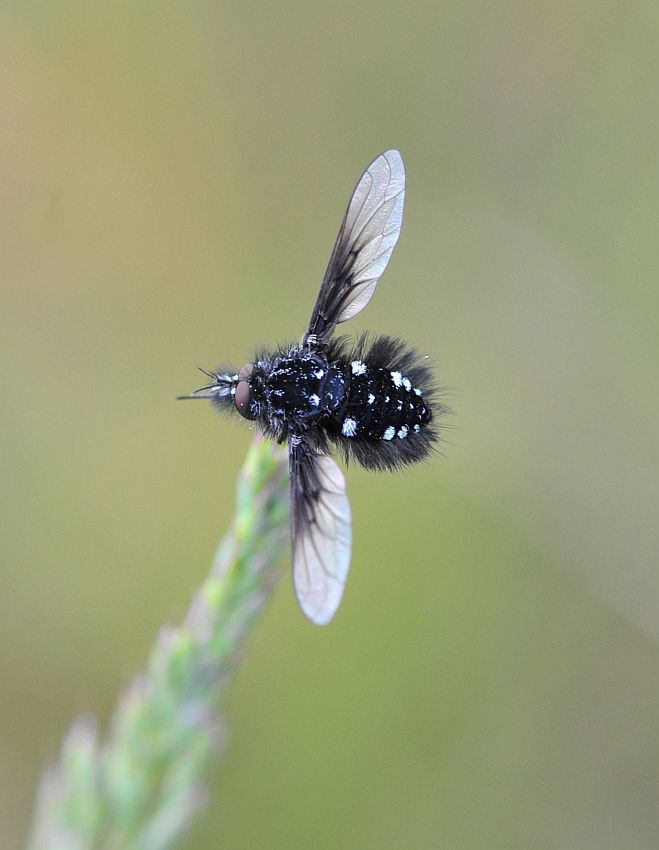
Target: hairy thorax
(301,387)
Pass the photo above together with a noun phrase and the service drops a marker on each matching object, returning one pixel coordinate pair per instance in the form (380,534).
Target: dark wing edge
(321,531)
(367,237)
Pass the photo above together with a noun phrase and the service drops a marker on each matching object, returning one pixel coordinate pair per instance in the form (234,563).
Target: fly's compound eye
(243,396)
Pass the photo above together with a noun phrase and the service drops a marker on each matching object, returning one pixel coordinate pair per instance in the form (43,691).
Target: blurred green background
(172,177)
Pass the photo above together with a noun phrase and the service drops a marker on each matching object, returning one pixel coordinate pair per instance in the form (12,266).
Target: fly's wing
(367,237)
(321,532)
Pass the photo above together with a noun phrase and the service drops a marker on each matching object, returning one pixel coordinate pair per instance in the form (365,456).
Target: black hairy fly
(373,399)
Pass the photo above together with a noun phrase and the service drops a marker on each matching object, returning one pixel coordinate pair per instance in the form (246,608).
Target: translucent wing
(320,529)
(367,237)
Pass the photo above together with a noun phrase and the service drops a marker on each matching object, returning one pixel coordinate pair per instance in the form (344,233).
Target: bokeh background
(172,176)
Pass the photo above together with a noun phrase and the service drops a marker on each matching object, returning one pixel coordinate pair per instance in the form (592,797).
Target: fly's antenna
(208,374)
(223,387)
(198,393)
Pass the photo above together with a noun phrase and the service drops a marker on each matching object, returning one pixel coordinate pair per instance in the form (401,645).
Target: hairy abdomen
(386,419)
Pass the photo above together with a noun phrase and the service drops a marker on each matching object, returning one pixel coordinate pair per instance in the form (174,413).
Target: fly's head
(246,392)
(250,395)
(231,391)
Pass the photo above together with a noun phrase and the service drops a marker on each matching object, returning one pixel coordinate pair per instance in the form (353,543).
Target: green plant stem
(140,787)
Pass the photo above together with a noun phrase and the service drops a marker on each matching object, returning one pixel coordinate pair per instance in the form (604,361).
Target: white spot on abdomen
(371,398)
(403,432)
(390,433)
(349,427)
(319,373)
(358,368)
(406,384)
(397,378)
(314,399)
